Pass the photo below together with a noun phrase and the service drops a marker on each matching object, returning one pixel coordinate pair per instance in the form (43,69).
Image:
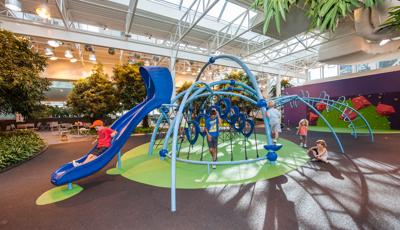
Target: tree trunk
(145,122)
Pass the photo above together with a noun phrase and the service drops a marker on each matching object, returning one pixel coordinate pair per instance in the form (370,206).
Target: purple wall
(383,87)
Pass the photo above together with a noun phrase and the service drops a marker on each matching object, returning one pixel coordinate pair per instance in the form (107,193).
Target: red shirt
(104,137)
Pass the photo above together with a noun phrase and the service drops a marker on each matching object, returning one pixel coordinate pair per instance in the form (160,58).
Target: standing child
(302,132)
(212,130)
(274,117)
(104,137)
(320,151)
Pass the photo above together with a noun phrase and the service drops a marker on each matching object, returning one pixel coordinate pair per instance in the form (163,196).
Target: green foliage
(239,76)
(276,9)
(130,87)
(94,97)
(324,14)
(197,103)
(393,21)
(21,87)
(47,111)
(374,119)
(18,146)
(284,84)
(184,87)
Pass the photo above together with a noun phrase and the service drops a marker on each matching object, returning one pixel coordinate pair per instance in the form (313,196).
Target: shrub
(18,146)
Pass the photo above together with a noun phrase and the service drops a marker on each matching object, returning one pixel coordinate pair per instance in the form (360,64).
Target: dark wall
(383,87)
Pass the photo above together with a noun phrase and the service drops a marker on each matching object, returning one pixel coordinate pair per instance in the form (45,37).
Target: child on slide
(320,151)
(104,137)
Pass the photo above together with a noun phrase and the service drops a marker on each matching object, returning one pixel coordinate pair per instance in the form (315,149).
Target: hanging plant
(393,21)
(324,14)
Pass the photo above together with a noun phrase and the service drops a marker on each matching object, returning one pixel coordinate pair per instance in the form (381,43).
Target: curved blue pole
(354,110)
(326,122)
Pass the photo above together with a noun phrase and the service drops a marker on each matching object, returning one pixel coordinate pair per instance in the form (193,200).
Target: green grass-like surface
(138,166)
(349,130)
(376,121)
(58,194)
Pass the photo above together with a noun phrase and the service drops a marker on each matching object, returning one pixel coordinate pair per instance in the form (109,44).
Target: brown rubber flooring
(358,190)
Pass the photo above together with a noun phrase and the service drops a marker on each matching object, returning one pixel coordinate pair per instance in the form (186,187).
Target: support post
(119,164)
(69,186)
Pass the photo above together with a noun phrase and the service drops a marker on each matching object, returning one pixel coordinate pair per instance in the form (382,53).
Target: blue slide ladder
(158,83)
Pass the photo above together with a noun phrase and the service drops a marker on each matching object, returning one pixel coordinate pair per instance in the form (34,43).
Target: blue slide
(158,82)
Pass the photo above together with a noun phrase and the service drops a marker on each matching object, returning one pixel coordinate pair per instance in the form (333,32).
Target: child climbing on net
(319,152)
(302,132)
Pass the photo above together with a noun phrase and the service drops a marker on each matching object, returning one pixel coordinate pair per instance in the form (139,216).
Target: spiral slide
(158,82)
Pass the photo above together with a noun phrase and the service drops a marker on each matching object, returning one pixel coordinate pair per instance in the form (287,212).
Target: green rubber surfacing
(349,130)
(58,194)
(150,170)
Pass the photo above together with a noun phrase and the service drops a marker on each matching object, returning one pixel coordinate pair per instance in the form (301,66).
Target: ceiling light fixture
(73,60)
(68,54)
(54,43)
(384,42)
(92,57)
(48,51)
(43,10)
(53,58)
(14,5)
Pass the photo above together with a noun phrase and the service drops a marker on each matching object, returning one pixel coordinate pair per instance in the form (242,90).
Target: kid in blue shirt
(212,130)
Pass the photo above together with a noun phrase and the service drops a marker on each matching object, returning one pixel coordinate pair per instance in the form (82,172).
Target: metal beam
(62,10)
(186,19)
(58,33)
(130,15)
(238,32)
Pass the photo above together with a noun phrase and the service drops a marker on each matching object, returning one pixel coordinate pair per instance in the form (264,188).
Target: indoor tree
(94,97)
(21,87)
(130,87)
(239,76)
(284,84)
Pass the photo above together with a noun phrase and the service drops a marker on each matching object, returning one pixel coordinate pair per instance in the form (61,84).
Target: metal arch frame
(180,114)
(333,103)
(246,88)
(323,118)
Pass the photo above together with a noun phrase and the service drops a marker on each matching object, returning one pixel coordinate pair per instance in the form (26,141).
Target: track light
(73,60)
(14,5)
(53,58)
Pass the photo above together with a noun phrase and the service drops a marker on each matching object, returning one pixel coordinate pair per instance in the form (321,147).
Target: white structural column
(172,69)
(278,85)
(130,15)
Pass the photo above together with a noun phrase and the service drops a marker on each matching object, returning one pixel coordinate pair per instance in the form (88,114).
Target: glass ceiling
(224,14)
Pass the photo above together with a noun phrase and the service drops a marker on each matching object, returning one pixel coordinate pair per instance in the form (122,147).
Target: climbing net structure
(188,112)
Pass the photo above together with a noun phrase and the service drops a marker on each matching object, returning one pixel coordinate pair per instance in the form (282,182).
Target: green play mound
(138,166)
(349,130)
(58,194)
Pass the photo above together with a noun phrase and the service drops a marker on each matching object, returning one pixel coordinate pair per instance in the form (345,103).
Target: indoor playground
(200,114)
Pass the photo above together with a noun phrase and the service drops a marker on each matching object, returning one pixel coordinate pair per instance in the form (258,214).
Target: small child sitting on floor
(319,152)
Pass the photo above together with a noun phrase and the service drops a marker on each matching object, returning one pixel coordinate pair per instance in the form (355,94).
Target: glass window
(384,64)
(314,73)
(345,69)
(231,12)
(330,71)
(366,67)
